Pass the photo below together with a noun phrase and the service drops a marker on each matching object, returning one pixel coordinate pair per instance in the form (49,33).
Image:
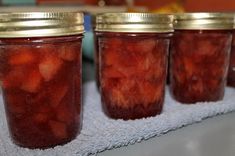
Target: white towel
(100,133)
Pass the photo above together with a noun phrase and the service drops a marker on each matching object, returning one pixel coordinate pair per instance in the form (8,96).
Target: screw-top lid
(40,24)
(204,21)
(134,22)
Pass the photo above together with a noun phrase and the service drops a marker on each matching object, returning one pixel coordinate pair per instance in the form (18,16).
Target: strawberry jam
(133,73)
(41,82)
(199,64)
(133,49)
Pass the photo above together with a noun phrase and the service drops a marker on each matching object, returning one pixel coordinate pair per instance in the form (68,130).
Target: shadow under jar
(200,53)
(40,72)
(133,50)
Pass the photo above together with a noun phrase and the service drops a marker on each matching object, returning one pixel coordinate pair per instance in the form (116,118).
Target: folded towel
(100,133)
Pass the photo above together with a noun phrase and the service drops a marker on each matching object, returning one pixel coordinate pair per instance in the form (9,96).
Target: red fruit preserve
(41,81)
(133,64)
(231,71)
(200,53)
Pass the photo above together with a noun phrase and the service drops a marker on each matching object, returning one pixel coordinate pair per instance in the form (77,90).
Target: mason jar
(200,53)
(133,50)
(40,74)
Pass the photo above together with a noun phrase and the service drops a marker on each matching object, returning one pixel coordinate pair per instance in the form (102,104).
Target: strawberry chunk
(69,52)
(58,129)
(115,42)
(178,71)
(111,72)
(57,94)
(129,71)
(64,113)
(205,47)
(14,77)
(144,64)
(189,67)
(125,94)
(22,57)
(32,82)
(110,57)
(119,98)
(150,92)
(112,49)
(43,108)
(40,118)
(145,46)
(49,67)
(197,87)
(15,103)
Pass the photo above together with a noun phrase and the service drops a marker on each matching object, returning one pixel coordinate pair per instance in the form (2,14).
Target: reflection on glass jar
(133,67)
(41,82)
(96,61)
(231,71)
(200,57)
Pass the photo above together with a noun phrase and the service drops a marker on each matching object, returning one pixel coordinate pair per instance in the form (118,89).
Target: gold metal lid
(40,24)
(204,21)
(134,22)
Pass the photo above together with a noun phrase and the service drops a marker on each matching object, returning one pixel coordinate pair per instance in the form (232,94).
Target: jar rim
(40,24)
(134,22)
(204,21)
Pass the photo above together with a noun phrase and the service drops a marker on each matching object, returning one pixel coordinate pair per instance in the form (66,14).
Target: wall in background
(17,2)
(189,5)
(209,5)
(193,5)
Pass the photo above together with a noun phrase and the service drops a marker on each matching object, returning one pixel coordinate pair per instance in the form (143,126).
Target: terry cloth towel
(100,133)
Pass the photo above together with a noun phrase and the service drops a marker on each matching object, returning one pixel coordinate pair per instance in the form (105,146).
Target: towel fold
(100,133)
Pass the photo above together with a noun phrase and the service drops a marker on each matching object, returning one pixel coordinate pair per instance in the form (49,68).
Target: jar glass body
(231,71)
(96,61)
(41,83)
(199,64)
(132,73)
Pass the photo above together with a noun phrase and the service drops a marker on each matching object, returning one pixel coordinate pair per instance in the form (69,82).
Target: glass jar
(200,56)
(133,50)
(96,53)
(40,73)
(96,61)
(231,71)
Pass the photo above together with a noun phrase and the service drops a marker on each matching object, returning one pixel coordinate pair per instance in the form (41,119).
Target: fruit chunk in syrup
(133,76)
(199,65)
(38,86)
